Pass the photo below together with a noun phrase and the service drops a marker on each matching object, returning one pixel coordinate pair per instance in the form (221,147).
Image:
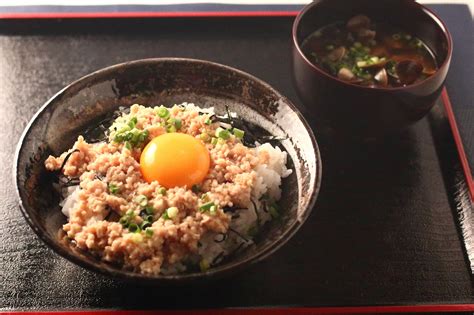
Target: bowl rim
(434,18)
(109,270)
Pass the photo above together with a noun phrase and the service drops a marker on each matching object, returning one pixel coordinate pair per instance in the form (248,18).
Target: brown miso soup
(370,54)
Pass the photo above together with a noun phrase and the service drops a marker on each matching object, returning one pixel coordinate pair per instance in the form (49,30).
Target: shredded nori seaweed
(99,177)
(232,209)
(235,251)
(252,132)
(97,133)
(238,234)
(111,216)
(265,209)
(65,160)
(68,182)
(217,259)
(256,212)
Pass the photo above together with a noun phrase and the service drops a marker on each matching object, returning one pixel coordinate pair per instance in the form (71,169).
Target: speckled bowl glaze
(55,127)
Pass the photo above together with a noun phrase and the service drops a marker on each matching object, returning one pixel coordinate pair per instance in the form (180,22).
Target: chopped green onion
(144,135)
(329,47)
(130,213)
(203,265)
(163,112)
(130,135)
(135,137)
(124,221)
(208,121)
(214,141)
(113,189)
(142,200)
(374,59)
(149,218)
(361,64)
(204,137)
(133,122)
(133,227)
(124,128)
(357,45)
(118,138)
(213,210)
(162,190)
(149,232)
(149,210)
(196,188)
(171,129)
(273,211)
(137,238)
(206,207)
(165,215)
(222,133)
(238,133)
(172,212)
(144,225)
(177,123)
(204,197)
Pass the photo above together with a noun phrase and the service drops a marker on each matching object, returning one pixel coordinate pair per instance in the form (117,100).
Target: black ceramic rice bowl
(82,104)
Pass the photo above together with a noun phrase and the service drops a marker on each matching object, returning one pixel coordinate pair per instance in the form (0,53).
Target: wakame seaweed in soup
(370,54)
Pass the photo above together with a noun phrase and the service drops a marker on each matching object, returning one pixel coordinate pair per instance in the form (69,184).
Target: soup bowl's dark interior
(350,109)
(164,81)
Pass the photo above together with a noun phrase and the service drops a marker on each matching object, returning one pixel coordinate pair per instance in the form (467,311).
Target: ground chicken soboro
(111,181)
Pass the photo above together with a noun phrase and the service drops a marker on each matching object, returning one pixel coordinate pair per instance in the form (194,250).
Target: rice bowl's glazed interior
(86,102)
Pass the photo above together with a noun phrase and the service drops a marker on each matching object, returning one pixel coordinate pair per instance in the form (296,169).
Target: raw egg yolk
(175,159)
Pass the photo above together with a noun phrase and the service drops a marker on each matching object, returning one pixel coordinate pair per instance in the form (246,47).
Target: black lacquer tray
(392,226)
